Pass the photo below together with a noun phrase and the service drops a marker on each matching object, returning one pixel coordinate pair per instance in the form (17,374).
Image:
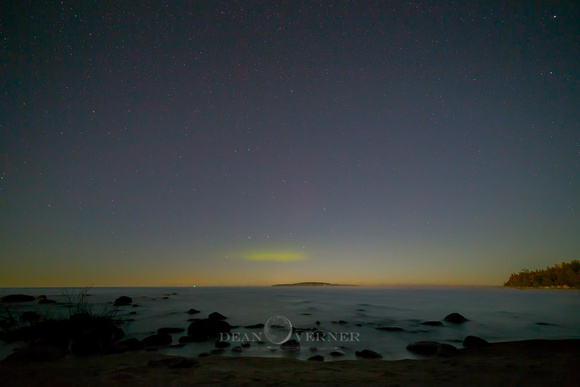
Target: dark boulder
(157,340)
(17,298)
(123,301)
(455,318)
(237,349)
(474,342)
(368,354)
(43,301)
(216,316)
(255,326)
(193,339)
(208,328)
(425,348)
(446,350)
(431,348)
(290,346)
(337,353)
(166,331)
(432,323)
(193,311)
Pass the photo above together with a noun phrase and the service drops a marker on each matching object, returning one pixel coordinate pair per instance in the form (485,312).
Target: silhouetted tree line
(563,275)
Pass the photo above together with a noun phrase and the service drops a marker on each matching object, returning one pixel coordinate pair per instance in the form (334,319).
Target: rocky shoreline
(93,350)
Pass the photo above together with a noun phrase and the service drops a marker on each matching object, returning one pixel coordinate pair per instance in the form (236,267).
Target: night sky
(257,142)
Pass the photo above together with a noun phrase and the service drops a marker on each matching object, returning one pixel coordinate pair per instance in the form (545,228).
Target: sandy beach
(521,363)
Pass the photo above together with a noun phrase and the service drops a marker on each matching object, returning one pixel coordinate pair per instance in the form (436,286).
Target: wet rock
(166,331)
(391,329)
(193,339)
(431,348)
(474,342)
(290,346)
(316,358)
(123,301)
(432,323)
(317,322)
(337,353)
(216,316)
(157,340)
(208,328)
(237,349)
(455,318)
(193,311)
(255,326)
(368,354)
(425,348)
(17,298)
(173,363)
(446,350)
(246,345)
(44,301)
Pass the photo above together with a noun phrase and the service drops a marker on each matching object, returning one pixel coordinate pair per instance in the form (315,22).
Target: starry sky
(147,143)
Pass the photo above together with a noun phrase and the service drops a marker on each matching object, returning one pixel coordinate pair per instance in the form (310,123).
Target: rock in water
(208,328)
(432,323)
(425,348)
(455,318)
(255,326)
(193,311)
(123,301)
(216,316)
(17,298)
(430,348)
(474,342)
(157,340)
(368,354)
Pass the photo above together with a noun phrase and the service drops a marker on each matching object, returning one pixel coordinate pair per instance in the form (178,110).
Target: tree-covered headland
(564,275)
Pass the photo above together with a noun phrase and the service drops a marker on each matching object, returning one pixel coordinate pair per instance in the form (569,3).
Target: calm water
(496,314)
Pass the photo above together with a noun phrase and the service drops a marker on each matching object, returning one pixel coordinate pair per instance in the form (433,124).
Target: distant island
(313,284)
(563,276)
